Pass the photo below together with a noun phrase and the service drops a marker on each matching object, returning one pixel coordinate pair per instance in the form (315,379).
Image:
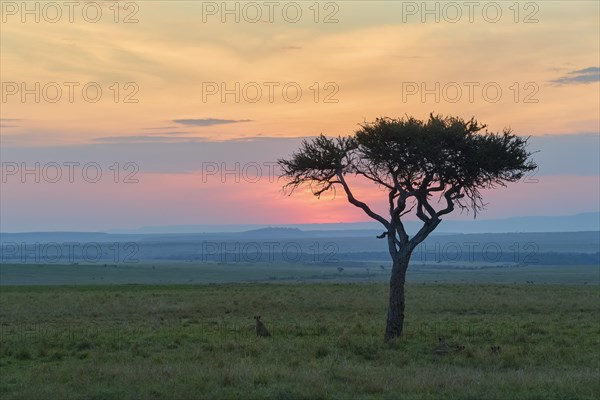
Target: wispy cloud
(289,48)
(159,128)
(586,75)
(208,121)
(8,122)
(149,139)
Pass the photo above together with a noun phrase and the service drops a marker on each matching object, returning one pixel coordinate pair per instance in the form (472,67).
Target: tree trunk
(395,315)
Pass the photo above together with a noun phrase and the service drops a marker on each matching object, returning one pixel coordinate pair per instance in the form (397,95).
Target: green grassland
(172,272)
(197,341)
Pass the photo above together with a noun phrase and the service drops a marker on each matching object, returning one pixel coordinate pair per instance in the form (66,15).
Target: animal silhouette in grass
(261,330)
(443,348)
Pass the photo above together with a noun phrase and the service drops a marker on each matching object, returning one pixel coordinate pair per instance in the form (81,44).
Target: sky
(117,115)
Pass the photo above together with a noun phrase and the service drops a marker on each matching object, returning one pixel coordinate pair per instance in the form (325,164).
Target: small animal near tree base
(413,161)
(261,330)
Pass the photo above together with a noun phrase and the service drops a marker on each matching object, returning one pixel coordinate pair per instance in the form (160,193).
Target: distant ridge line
(583,222)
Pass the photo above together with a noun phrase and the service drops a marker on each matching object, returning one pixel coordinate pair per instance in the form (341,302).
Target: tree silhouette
(412,160)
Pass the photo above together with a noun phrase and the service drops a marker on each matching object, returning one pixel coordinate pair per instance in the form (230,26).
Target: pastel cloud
(208,121)
(8,122)
(586,75)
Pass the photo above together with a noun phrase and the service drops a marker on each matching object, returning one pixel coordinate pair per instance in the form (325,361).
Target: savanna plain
(503,340)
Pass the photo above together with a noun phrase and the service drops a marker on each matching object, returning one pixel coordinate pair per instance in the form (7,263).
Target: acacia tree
(413,161)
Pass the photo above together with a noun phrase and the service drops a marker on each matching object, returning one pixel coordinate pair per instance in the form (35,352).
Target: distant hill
(272,232)
(570,223)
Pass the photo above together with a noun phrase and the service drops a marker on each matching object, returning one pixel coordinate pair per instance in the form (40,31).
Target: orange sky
(164,62)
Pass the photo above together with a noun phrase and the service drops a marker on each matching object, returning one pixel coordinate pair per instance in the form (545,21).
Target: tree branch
(425,230)
(452,194)
(360,204)
(422,198)
(420,213)
(396,214)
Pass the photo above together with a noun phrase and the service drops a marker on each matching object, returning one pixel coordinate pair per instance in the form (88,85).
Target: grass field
(197,341)
(204,273)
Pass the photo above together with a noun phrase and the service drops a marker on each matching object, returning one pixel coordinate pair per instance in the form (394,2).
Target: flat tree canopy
(413,160)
